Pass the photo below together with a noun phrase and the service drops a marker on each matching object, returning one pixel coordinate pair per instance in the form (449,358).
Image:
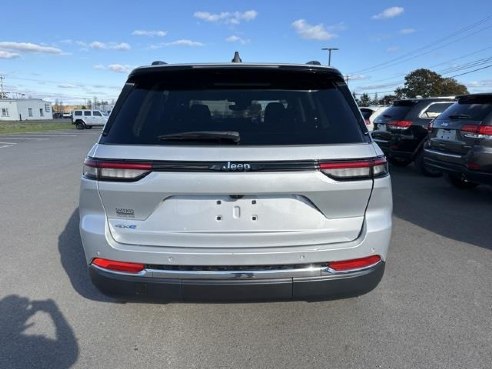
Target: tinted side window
(96,114)
(77,113)
(87,113)
(434,110)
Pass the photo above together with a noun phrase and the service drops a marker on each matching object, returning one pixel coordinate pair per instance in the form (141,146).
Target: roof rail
(158,62)
(313,62)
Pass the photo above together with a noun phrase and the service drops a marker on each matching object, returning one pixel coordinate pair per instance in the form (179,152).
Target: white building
(25,109)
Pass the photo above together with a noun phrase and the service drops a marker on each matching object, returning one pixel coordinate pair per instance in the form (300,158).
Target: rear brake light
(354,264)
(476,131)
(399,124)
(356,169)
(118,266)
(104,170)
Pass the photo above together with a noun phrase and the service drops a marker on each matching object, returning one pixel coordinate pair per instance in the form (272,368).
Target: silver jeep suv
(238,182)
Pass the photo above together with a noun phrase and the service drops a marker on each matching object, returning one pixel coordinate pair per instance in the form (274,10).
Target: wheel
(424,169)
(79,125)
(399,162)
(460,182)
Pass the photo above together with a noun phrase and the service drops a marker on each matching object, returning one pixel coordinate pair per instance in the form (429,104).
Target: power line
(410,55)
(462,74)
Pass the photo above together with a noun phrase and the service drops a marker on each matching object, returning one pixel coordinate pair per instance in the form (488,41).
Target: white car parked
(370,113)
(88,118)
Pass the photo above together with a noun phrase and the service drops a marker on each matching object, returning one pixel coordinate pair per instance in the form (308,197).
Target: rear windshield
(396,112)
(476,109)
(269,114)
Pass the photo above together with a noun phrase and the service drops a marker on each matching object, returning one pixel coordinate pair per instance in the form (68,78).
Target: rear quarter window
(434,110)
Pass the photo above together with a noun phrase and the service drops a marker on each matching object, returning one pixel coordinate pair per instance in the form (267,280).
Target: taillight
(355,169)
(367,122)
(118,266)
(399,124)
(476,131)
(354,264)
(104,170)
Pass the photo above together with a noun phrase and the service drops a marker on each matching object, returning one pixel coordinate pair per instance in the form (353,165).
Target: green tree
(424,82)
(365,100)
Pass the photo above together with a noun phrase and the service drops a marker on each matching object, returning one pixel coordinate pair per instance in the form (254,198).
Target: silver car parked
(238,182)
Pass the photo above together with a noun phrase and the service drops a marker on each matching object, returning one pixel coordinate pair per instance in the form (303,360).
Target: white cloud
(67,85)
(98,45)
(389,13)
(184,43)
(29,47)
(121,46)
(118,68)
(155,33)
(407,31)
(235,38)
(310,32)
(8,55)
(227,17)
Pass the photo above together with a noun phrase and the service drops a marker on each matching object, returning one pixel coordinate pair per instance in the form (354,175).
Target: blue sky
(72,51)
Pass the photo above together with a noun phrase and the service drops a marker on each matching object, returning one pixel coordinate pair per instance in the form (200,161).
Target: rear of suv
(237,182)
(460,141)
(402,129)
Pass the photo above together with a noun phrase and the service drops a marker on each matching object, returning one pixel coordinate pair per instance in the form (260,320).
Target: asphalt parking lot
(433,308)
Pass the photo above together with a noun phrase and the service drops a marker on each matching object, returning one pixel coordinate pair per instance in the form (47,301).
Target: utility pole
(347,77)
(330,49)
(2,77)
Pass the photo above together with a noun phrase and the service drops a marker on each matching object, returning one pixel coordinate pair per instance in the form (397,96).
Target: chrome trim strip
(307,272)
(443,154)
(310,271)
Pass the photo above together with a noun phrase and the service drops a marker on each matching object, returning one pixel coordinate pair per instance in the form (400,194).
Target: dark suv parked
(460,141)
(402,129)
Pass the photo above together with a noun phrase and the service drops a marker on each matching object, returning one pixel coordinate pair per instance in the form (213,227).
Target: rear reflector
(399,124)
(356,169)
(354,264)
(118,266)
(115,170)
(476,131)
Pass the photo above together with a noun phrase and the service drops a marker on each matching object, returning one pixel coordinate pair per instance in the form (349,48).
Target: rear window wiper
(231,136)
(459,116)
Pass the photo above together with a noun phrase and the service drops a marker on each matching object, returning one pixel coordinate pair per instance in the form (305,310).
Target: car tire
(460,182)
(424,169)
(399,162)
(79,125)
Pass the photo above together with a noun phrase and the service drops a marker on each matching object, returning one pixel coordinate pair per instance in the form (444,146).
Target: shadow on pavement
(19,349)
(73,260)
(434,204)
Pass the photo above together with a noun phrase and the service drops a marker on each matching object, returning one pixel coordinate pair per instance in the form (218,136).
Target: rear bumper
(455,164)
(338,285)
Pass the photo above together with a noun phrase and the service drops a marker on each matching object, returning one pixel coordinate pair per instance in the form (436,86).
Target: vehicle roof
(437,98)
(312,68)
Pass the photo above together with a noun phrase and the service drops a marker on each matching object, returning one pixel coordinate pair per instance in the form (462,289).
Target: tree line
(418,83)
